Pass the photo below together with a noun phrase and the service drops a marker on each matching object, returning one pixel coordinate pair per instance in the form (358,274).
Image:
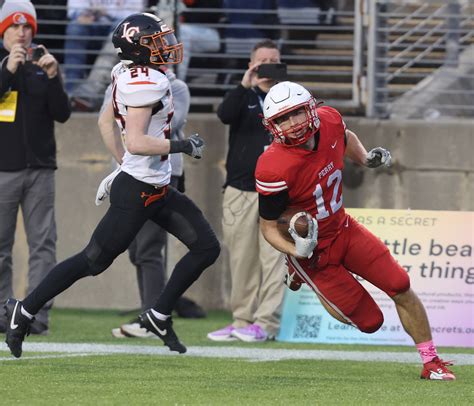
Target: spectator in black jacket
(32,97)
(256,268)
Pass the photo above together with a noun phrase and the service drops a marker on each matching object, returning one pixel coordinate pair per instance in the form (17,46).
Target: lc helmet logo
(129,32)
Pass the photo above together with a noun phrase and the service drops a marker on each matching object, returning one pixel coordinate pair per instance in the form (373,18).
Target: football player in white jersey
(143,107)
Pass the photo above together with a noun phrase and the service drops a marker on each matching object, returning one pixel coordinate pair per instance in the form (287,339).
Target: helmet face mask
(144,39)
(164,48)
(286,99)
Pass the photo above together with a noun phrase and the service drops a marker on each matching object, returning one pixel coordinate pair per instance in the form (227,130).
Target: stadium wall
(433,169)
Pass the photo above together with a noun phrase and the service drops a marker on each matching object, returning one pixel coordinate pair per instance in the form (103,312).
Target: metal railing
(380,58)
(420,60)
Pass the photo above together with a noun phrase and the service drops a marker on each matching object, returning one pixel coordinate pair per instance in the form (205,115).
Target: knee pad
(214,253)
(206,256)
(367,316)
(400,283)
(97,258)
(372,322)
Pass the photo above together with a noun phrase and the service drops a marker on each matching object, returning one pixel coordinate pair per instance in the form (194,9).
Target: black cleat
(18,326)
(163,329)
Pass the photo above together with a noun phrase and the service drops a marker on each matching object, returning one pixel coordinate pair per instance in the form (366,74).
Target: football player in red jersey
(303,168)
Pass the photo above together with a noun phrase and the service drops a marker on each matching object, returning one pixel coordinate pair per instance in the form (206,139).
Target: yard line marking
(252,354)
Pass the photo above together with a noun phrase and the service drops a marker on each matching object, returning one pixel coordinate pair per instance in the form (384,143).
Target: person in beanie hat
(32,97)
(17,12)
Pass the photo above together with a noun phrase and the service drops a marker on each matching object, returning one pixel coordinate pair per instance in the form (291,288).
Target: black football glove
(192,146)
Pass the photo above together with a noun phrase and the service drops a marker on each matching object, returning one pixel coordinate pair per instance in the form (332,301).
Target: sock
(160,316)
(427,351)
(25,313)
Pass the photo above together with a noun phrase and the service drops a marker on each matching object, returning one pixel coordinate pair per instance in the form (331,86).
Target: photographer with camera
(32,97)
(256,268)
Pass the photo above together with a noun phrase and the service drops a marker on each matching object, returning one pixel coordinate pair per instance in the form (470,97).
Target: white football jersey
(140,87)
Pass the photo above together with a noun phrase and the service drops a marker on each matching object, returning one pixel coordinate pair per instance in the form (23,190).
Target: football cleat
(18,326)
(436,370)
(163,329)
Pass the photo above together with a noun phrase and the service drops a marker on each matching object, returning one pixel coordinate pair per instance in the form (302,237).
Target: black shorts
(133,202)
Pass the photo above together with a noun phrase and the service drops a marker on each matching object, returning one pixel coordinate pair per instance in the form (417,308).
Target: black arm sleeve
(270,207)
(58,101)
(6,77)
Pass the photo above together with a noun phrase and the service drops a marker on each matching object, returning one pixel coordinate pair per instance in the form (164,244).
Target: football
(297,218)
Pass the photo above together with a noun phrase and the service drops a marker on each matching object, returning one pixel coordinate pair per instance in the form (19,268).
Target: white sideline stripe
(51,356)
(253,354)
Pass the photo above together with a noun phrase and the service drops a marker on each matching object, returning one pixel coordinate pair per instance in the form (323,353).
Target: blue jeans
(77,45)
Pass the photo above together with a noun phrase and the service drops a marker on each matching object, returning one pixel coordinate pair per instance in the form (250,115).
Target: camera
(275,71)
(33,54)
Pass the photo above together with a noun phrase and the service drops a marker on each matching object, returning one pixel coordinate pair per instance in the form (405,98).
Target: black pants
(132,203)
(147,254)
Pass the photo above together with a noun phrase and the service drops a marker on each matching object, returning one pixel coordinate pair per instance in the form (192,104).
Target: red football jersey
(313,178)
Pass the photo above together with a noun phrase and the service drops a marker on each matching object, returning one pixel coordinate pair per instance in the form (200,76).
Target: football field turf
(99,369)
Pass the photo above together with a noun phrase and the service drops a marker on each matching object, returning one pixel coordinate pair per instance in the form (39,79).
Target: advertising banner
(436,249)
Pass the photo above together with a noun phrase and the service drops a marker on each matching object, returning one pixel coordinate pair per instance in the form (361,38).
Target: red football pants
(354,250)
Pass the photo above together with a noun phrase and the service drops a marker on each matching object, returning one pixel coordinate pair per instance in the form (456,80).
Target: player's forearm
(110,133)
(355,151)
(112,141)
(274,238)
(114,144)
(147,145)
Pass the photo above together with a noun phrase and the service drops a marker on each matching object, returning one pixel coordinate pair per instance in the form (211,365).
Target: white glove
(378,156)
(306,245)
(103,191)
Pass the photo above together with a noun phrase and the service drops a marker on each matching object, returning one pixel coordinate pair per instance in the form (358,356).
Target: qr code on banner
(307,326)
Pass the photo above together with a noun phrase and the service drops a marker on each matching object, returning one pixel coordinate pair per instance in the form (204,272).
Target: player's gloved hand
(103,191)
(292,280)
(193,146)
(378,156)
(306,245)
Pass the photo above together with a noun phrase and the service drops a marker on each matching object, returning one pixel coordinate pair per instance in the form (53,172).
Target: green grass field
(187,380)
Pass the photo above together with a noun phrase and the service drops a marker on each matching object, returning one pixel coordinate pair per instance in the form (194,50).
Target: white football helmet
(283,98)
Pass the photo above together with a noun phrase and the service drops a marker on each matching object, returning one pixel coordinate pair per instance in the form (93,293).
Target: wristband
(180,146)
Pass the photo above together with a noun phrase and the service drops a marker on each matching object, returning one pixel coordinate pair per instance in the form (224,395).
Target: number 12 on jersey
(334,204)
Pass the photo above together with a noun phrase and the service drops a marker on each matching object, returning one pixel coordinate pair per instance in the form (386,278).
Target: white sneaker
(135,330)
(117,333)
(223,334)
(251,334)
